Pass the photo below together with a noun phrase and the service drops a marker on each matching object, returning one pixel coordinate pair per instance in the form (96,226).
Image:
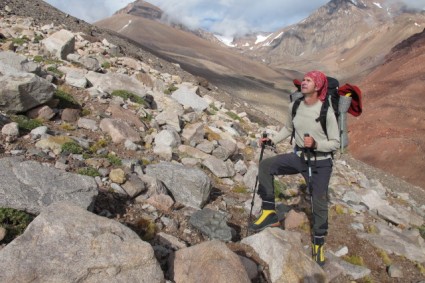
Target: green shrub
(98,145)
(14,221)
(88,171)
(114,160)
(171,88)
(66,100)
(129,95)
(385,258)
(233,116)
(422,231)
(55,71)
(72,147)
(20,41)
(38,38)
(38,58)
(106,65)
(420,267)
(85,112)
(279,187)
(240,189)
(354,259)
(26,124)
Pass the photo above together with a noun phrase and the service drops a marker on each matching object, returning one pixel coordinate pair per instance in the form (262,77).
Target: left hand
(309,142)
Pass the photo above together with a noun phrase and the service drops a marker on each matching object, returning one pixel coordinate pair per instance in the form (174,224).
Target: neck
(311,99)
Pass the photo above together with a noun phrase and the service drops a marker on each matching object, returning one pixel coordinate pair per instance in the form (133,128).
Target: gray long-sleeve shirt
(305,122)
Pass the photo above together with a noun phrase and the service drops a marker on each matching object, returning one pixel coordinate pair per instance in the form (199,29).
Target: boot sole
(262,228)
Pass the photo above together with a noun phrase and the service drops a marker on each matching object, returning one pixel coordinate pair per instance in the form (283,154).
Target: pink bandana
(321,83)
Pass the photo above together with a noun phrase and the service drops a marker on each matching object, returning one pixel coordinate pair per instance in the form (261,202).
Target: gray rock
(134,186)
(119,130)
(114,81)
(11,129)
(212,224)
(189,186)
(88,124)
(395,271)
(19,62)
(219,167)
(60,44)
(402,243)
(210,261)
(186,94)
(30,186)
(250,177)
(193,134)
(22,91)
(355,272)
(283,252)
(169,117)
(66,243)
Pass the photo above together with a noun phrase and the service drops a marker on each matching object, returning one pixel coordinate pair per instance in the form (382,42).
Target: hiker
(310,139)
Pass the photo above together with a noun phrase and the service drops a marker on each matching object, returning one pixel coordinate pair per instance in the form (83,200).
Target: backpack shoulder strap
(294,112)
(323,114)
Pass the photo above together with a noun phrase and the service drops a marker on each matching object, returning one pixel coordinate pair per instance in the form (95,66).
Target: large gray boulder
(19,62)
(66,243)
(21,91)
(189,186)
(187,95)
(60,44)
(283,252)
(30,186)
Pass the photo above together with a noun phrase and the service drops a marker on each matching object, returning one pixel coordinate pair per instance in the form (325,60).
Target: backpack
(332,98)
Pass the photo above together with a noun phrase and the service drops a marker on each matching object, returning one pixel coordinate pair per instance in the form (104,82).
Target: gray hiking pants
(289,164)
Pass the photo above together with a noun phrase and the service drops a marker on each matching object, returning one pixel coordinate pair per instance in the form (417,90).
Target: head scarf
(321,83)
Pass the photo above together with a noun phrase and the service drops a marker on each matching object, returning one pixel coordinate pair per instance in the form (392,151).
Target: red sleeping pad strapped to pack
(356,102)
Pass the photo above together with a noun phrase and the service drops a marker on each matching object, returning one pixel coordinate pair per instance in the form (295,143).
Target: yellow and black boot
(318,251)
(268,218)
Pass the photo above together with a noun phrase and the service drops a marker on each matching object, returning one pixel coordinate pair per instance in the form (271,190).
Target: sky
(225,17)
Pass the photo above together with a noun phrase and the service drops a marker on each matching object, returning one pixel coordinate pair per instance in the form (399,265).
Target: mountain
(159,204)
(143,9)
(344,38)
(390,132)
(254,82)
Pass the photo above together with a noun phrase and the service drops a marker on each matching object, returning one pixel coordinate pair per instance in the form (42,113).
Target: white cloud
(91,10)
(225,17)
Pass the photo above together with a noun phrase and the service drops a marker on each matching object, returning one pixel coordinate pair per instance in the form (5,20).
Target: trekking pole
(263,146)
(310,190)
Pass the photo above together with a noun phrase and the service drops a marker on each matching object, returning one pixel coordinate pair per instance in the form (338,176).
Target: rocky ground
(121,141)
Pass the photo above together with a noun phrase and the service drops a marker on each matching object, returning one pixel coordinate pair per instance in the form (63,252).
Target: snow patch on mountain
(227,40)
(377,5)
(262,38)
(126,26)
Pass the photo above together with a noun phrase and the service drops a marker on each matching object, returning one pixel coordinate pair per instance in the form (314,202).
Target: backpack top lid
(332,83)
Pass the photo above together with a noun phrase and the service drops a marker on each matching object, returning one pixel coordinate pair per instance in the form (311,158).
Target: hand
(265,142)
(309,142)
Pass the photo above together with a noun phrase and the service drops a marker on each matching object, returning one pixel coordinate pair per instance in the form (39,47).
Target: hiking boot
(318,254)
(268,218)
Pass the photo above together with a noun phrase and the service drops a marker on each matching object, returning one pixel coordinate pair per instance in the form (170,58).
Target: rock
(107,250)
(22,91)
(219,168)
(211,262)
(189,186)
(193,152)
(88,124)
(60,44)
(44,113)
(193,134)
(53,143)
(211,223)
(169,118)
(119,130)
(355,272)
(2,233)
(117,176)
(250,177)
(30,186)
(186,94)
(283,252)
(161,202)
(295,219)
(395,271)
(19,62)
(170,241)
(11,129)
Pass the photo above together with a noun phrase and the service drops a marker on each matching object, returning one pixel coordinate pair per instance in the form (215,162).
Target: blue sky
(226,17)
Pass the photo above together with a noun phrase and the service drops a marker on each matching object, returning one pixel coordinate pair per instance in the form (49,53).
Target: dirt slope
(390,133)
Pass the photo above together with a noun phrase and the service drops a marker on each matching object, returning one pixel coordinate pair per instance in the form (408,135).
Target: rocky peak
(142,9)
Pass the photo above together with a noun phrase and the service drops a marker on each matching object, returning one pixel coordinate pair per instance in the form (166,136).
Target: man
(313,144)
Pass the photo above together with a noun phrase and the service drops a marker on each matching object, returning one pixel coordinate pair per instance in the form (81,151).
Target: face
(308,86)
